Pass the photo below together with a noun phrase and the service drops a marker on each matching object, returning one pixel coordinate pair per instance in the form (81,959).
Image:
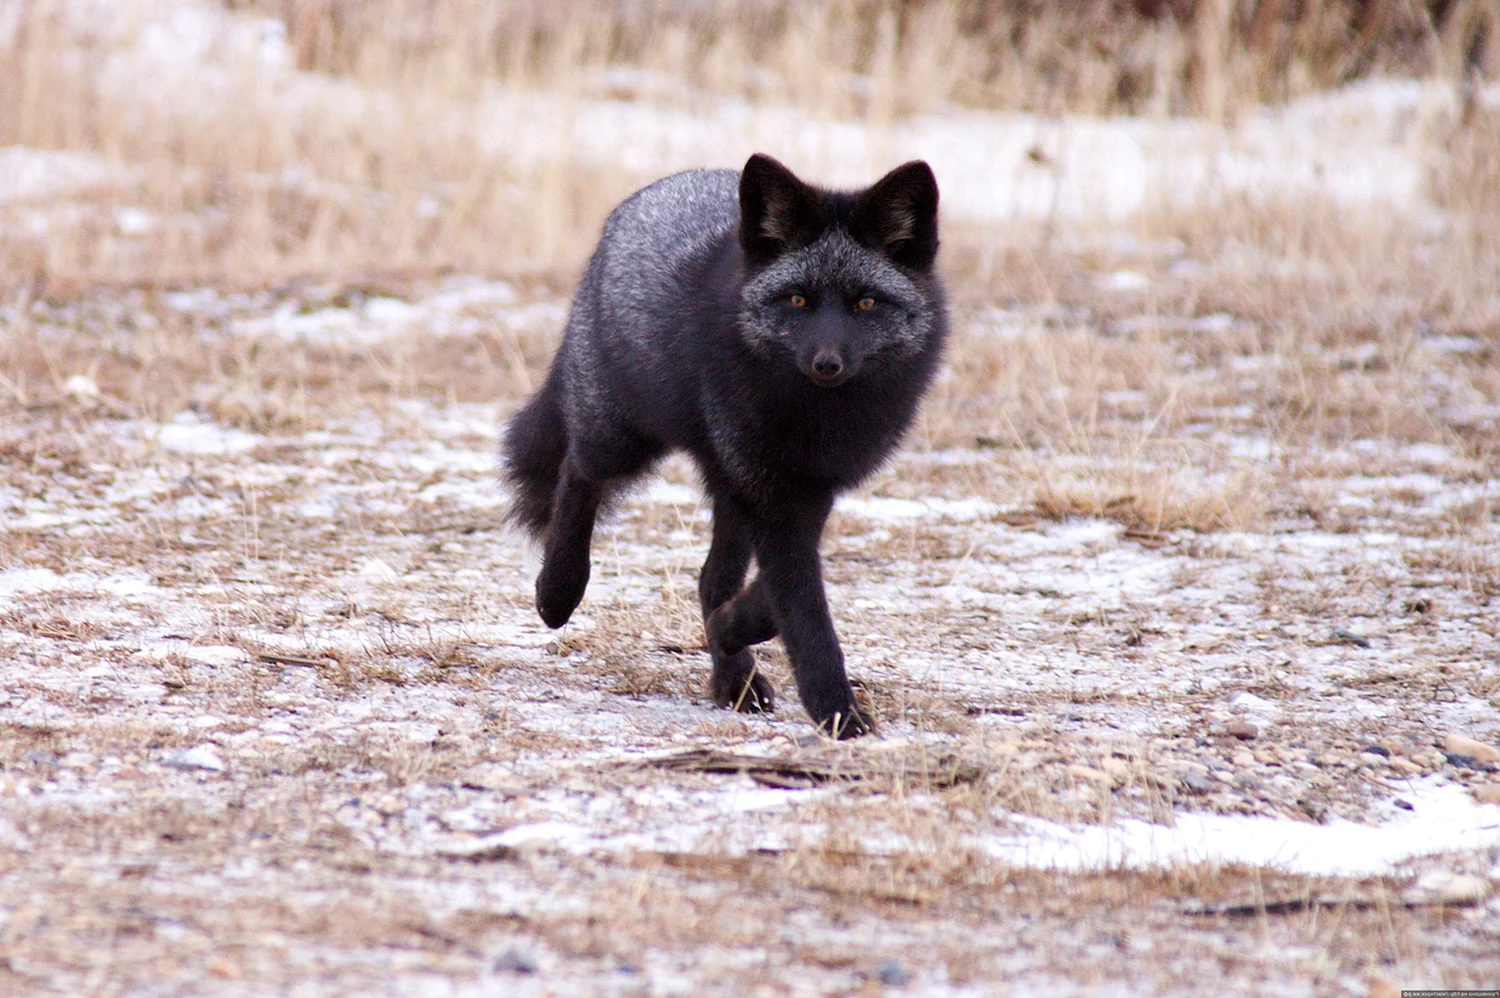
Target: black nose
(827,365)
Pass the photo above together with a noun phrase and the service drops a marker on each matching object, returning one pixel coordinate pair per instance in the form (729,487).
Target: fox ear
(898,216)
(777,211)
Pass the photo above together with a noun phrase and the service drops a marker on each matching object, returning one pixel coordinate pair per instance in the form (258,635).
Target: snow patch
(188,433)
(41,174)
(1444,818)
(883,509)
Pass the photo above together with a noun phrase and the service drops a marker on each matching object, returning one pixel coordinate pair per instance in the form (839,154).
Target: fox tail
(531,454)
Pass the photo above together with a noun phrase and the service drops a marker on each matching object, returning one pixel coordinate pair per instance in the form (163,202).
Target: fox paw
(559,589)
(844,721)
(738,684)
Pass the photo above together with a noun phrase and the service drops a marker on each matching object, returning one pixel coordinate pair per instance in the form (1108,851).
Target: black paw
(843,721)
(559,589)
(737,683)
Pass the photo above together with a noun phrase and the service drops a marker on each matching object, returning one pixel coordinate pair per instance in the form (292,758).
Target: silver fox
(779,333)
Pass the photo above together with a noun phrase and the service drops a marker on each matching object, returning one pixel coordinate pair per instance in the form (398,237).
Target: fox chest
(825,446)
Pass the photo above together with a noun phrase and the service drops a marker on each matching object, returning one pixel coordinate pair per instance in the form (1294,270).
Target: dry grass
(237,179)
(245,185)
(875,57)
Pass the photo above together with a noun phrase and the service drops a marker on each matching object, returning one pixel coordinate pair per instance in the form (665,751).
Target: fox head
(839,281)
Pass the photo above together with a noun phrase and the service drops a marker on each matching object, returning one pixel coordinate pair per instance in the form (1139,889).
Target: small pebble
(1379,750)
(389,805)
(1243,730)
(1197,783)
(1314,810)
(892,974)
(202,757)
(1089,774)
(1462,745)
(1466,761)
(513,961)
(1486,793)
(1404,805)
(1452,888)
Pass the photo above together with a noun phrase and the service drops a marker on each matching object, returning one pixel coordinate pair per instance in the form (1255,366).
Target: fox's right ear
(777,211)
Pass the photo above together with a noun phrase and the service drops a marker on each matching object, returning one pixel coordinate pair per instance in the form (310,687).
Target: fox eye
(866,303)
(798,301)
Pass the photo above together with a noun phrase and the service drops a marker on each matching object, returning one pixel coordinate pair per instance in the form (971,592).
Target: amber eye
(866,303)
(798,301)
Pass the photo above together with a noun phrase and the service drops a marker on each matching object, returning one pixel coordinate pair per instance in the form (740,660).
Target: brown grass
(877,57)
(243,185)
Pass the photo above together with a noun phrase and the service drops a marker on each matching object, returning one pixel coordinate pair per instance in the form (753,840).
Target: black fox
(783,336)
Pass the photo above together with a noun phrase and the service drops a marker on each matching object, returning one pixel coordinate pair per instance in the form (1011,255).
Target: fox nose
(827,365)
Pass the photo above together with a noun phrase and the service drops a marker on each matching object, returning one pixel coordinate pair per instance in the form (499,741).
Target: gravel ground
(279,718)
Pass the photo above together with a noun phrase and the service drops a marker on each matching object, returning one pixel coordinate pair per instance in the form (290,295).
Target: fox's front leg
(790,582)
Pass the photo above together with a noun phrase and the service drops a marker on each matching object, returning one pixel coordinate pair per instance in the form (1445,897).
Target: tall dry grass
(383,157)
(1096,56)
(245,182)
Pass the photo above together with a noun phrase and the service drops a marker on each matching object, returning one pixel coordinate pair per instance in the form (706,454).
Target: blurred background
(247,142)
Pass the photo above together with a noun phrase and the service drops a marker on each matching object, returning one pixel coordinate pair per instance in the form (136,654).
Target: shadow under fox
(779,333)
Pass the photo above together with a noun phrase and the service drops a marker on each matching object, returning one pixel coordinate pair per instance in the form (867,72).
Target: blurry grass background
(325,152)
(394,166)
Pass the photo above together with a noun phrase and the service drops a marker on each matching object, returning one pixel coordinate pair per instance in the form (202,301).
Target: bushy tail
(535,443)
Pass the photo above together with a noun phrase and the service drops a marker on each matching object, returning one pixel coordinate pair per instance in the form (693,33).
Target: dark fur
(685,335)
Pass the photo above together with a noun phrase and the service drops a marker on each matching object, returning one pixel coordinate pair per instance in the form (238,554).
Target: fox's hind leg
(596,465)
(565,563)
(736,625)
(728,558)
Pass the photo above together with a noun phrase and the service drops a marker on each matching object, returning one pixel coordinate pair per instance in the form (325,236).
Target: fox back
(780,333)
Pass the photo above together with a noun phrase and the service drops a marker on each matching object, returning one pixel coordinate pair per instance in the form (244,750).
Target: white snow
(670,494)
(1125,280)
(883,509)
(378,570)
(1249,703)
(461,307)
(203,757)
(38,174)
(1444,818)
(1362,145)
(30,581)
(18,581)
(188,433)
(134,221)
(81,386)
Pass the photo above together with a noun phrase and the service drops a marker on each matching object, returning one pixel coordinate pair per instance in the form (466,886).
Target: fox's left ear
(898,216)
